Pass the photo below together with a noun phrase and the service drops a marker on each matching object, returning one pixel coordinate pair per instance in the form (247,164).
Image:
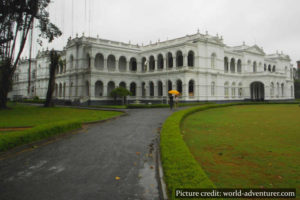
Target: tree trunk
(54,57)
(5,82)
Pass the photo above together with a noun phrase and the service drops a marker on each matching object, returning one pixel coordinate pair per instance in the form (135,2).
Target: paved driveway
(86,165)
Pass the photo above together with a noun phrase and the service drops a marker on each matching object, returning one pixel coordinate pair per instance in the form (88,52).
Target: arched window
(61,69)
(133,89)
(191,88)
(60,90)
(133,65)
(110,87)
(160,61)
(269,68)
(99,89)
(71,89)
(122,84)
(160,88)
(226,90)
(282,89)
(213,60)
(254,67)
(143,89)
(151,89)
(278,90)
(213,88)
(111,63)
(170,86)
(99,61)
(87,89)
(179,86)
(225,64)
(151,63)
(233,90)
(274,68)
(179,59)
(71,61)
(64,90)
(122,64)
(232,65)
(240,90)
(88,61)
(239,66)
(191,59)
(170,60)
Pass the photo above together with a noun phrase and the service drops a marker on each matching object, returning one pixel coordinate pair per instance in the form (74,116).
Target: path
(85,165)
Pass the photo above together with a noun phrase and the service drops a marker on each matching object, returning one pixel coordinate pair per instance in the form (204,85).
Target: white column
(105,90)
(155,90)
(174,62)
(184,60)
(127,66)
(105,65)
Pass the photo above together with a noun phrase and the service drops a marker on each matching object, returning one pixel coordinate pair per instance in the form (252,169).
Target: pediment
(255,50)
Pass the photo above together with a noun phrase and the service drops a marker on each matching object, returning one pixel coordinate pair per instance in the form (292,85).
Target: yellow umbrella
(174,92)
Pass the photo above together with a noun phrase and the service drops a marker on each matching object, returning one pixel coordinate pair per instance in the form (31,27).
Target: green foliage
(297,89)
(248,146)
(119,92)
(13,139)
(45,122)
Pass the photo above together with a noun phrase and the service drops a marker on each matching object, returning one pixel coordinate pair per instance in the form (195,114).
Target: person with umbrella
(171,101)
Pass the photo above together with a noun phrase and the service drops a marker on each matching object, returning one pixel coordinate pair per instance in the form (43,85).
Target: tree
(120,92)
(16,20)
(54,62)
(297,89)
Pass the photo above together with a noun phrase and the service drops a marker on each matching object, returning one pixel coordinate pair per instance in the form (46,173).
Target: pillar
(105,65)
(174,61)
(127,66)
(184,60)
(105,89)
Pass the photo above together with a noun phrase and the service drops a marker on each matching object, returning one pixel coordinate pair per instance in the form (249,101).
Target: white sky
(271,24)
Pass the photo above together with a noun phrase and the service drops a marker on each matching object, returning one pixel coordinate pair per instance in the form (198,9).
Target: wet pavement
(111,160)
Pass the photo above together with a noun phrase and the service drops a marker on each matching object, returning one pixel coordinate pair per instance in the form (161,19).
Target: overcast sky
(271,24)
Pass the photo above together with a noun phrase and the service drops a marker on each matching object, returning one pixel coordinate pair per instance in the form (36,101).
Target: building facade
(200,66)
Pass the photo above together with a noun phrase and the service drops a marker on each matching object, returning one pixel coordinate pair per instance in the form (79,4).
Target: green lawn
(247,146)
(24,115)
(45,122)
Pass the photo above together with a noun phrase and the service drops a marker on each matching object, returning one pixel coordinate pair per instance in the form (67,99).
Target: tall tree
(54,61)
(16,20)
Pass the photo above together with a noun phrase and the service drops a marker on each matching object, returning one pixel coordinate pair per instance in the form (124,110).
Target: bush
(36,98)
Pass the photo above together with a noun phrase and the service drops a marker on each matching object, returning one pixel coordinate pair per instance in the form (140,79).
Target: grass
(45,122)
(181,170)
(247,146)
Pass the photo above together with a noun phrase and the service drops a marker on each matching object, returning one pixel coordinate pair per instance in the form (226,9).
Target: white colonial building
(201,67)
